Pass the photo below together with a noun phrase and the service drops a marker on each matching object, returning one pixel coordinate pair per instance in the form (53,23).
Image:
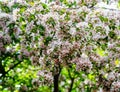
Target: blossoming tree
(74,47)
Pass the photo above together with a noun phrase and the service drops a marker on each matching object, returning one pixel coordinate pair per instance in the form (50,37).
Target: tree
(71,47)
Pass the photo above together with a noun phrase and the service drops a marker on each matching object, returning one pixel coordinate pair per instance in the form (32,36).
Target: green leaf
(44,5)
(112,34)
(42,30)
(51,21)
(103,19)
(117,62)
(47,40)
(5,8)
(65,72)
(100,52)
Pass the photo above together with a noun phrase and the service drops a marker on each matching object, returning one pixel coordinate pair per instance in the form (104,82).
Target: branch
(11,69)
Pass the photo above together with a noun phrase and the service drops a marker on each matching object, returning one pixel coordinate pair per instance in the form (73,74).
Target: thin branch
(11,69)
(72,81)
(13,66)
(71,85)
(2,69)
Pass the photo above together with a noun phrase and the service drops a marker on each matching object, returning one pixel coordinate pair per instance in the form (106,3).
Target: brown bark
(56,78)
(56,82)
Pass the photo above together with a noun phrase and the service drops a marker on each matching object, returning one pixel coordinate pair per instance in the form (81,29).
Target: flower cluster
(47,77)
(115,87)
(82,64)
